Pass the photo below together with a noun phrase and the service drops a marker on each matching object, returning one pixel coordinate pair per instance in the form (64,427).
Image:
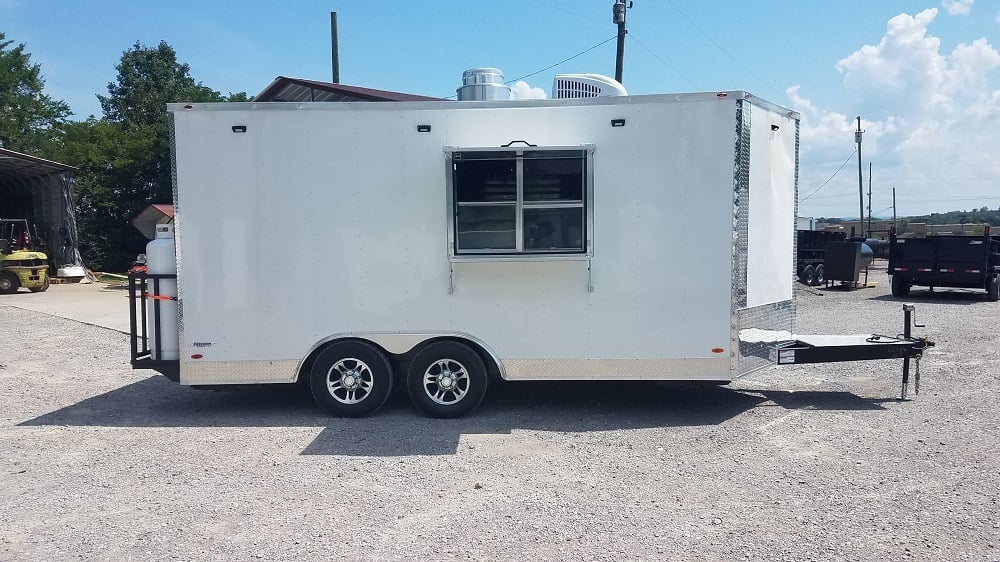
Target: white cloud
(958,7)
(521,90)
(930,119)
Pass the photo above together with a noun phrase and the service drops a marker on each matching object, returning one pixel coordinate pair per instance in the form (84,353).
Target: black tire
(809,275)
(8,283)
(351,379)
(446,380)
(820,275)
(43,288)
(900,288)
(993,289)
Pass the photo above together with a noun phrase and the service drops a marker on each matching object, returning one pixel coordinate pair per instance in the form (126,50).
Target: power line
(665,63)
(612,38)
(572,13)
(721,48)
(837,196)
(806,198)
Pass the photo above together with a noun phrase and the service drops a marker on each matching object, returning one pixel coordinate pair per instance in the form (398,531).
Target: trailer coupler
(836,349)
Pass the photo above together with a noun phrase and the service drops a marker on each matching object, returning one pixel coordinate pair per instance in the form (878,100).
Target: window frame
(519,253)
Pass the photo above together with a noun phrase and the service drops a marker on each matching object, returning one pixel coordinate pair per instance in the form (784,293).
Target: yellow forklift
(23,262)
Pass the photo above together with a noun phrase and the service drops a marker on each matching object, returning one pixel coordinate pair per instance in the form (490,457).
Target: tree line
(982,215)
(122,157)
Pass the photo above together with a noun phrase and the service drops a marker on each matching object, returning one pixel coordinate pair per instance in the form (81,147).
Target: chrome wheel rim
(350,381)
(446,382)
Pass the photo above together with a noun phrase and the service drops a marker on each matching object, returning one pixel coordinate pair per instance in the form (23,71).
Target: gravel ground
(820,462)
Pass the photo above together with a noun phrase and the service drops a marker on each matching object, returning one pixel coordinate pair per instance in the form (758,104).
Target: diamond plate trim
(177,221)
(622,369)
(775,318)
(238,372)
(741,222)
(795,223)
(741,205)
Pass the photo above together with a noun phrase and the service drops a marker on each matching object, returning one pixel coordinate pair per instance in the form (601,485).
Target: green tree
(148,79)
(30,121)
(124,158)
(109,158)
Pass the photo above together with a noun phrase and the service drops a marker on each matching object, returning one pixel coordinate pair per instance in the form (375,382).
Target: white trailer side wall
(331,219)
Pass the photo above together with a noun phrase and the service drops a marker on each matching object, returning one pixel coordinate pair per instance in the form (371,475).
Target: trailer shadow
(938,296)
(398,430)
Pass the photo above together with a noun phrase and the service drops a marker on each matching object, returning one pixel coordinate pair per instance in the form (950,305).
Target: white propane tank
(160,260)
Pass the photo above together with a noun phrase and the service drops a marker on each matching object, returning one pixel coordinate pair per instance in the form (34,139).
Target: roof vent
(483,84)
(566,86)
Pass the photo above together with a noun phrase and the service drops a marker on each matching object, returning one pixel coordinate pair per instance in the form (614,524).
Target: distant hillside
(976,216)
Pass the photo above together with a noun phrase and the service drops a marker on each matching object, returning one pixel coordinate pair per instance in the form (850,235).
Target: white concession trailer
(433,245)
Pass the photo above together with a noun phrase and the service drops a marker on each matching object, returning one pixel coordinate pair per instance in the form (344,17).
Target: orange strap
(161,297)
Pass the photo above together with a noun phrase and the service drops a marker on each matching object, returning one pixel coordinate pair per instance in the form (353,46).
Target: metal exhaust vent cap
(479,84)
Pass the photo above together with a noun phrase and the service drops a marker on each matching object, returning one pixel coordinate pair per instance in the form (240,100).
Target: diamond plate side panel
(761,326)
(177,221)
(741,221)
(795,237)
(741,205)
(622,369)
(238,372)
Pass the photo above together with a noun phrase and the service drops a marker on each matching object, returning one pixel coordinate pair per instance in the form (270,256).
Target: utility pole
(618,12)
(894,207)
(869,198)
(334,48)
(861,185)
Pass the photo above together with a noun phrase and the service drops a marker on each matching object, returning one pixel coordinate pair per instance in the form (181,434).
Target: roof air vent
(566,86)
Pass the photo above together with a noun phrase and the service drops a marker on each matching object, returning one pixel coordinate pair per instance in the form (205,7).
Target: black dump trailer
(971,262)
(811,252)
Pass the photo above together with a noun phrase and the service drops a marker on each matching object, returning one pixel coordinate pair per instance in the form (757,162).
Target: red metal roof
(167,210)
(284,88)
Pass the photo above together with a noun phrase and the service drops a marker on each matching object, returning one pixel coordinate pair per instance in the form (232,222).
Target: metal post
(618,12)
(156,320)
(334,48)
(861,186)
(907,315)
(133,331)
(894,207)
(869,198)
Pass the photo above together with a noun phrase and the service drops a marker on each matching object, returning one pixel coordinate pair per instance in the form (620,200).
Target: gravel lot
(813,462)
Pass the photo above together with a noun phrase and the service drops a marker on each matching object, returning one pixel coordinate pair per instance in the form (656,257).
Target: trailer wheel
(351,379)
(8,283)
(446,380)
(993,289)
(820,276)
(900,288)
(809,275)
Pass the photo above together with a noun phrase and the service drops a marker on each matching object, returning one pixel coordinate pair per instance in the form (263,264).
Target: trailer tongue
(834,349)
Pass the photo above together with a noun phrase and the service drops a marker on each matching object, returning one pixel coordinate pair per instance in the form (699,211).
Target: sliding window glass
(520,201)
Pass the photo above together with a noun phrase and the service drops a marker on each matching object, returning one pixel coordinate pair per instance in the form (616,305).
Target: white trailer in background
(432,244)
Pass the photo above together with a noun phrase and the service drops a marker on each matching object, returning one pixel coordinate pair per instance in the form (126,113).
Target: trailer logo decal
(201,344)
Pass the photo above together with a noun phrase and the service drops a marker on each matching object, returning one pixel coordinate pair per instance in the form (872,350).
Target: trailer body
(361,246)
(971,262)
(298,224)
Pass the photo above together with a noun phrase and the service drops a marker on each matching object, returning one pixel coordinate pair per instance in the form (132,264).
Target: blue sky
(922,75)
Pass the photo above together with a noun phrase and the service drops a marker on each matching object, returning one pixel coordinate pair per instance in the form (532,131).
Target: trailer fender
(399,345)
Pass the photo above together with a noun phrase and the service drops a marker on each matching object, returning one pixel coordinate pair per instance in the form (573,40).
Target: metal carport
(41,191)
